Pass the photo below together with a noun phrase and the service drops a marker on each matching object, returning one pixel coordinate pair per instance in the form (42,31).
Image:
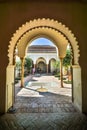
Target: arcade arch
(41,65)
(57,33)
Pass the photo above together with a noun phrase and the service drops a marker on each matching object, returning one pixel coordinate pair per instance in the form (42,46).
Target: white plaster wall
(46,56)
(77,87)
(9,86)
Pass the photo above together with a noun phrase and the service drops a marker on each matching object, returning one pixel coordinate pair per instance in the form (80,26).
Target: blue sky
(42,41)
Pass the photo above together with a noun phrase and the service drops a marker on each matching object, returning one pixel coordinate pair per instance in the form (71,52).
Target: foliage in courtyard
(57,64)
(18,67)
(18,64)
(67,63)
(67,59)
(57,68)
(68,82)
(27,67)
(28,64)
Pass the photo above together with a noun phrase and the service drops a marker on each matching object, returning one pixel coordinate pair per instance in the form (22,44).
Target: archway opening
(32,85)
(61,39)
(41,65)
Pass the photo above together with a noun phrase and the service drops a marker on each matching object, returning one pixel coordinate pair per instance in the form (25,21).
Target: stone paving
(56,99)
(52,110)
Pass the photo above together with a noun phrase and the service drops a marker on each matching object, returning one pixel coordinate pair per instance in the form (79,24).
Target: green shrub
(57,75)
(67,82)
(17,78)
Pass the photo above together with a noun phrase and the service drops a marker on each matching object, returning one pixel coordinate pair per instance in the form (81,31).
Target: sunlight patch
(24,92)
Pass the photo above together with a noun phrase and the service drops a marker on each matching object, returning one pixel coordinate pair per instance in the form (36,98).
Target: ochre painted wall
(14,14)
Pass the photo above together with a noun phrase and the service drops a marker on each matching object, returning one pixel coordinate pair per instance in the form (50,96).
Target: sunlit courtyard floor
(50,110)
(54,99)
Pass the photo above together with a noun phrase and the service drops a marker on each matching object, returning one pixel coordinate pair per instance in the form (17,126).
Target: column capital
(61,58)
(22,58)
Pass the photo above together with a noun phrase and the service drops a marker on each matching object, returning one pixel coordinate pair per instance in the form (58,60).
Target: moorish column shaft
(61,71)
(47,68)
(22,72)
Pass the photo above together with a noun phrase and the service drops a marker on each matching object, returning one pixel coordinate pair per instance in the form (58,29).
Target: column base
(11,110)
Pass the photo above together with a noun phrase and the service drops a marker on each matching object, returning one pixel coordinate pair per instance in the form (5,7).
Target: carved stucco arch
(43,23)
(59,40)
(52,59)
(41,58)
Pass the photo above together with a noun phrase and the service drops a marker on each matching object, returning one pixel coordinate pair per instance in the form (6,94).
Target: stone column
(22,72)
(61,71)
(34,68)
(47,68)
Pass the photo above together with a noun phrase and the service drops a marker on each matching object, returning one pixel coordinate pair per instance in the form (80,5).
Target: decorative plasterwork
(41,59)
(59,40)
(43,23)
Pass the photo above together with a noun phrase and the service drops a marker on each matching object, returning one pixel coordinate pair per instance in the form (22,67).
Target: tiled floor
(51,110)
(56,99)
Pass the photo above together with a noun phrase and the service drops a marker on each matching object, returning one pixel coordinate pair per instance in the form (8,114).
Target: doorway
(59,40)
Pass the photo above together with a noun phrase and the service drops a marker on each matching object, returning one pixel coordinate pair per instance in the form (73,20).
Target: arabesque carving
(58,39)
(43,23)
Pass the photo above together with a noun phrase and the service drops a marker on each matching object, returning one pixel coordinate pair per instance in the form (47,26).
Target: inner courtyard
(53,99)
